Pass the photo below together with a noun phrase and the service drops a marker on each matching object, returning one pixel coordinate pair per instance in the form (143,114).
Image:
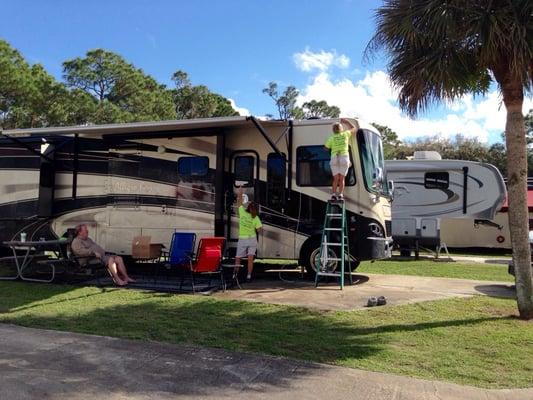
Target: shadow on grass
(15,295)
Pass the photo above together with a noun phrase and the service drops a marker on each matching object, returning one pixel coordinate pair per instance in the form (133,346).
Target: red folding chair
(208,260)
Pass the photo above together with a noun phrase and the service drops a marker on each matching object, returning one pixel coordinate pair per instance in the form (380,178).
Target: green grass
(477,271)
(477,341)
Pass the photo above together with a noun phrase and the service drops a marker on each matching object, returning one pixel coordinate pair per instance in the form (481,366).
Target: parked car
(510,269)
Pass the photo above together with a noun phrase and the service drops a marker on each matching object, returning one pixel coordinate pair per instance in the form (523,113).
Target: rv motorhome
(152,178)
(428,189)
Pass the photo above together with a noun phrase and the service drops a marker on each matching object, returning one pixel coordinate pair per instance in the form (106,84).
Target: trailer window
(436,180)
(276,172)
(244,169)
(312,167)
(193,166)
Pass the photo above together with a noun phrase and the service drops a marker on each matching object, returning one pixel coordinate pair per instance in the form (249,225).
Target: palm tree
(444,49)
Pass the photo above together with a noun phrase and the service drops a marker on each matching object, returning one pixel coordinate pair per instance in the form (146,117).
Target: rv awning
(145,130)
(158,127)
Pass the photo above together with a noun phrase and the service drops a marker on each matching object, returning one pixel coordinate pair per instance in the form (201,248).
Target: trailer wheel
(310,258)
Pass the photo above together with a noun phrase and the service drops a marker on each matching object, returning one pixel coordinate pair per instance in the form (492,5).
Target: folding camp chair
(180,252)
(181,248)
(207,261)
(81,267)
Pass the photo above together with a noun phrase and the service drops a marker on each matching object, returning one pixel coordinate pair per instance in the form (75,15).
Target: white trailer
(428,189)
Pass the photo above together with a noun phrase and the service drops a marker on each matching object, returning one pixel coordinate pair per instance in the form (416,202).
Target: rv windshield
(372,161)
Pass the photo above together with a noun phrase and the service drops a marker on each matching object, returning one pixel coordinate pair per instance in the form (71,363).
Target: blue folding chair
(181,249)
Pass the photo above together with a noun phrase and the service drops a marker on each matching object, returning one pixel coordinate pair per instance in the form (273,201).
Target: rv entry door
(244,167)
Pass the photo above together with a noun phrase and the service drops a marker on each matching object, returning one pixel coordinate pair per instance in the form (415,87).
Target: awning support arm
(265,135)
(27,147)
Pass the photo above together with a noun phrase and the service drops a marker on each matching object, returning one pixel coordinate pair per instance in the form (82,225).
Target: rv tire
(310,254)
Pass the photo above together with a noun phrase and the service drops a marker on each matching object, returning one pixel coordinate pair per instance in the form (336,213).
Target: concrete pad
(42,364)
(398,289)
(488,259)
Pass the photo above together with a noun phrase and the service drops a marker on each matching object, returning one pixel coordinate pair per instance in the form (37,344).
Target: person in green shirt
(249,225)
(338,145)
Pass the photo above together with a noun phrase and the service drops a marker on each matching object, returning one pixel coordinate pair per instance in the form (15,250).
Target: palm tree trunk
(515,137)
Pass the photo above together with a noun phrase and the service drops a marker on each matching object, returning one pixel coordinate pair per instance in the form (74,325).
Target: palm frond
(443,49)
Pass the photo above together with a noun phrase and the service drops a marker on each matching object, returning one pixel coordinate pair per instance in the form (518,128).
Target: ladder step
(333,229)
(332,244)
(334,259)
(334,215)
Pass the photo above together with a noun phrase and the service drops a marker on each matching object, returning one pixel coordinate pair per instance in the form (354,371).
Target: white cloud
(241,110)
(374,100)
(308,61)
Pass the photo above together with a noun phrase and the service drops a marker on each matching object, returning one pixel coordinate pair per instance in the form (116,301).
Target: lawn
(478,271)
(477,341)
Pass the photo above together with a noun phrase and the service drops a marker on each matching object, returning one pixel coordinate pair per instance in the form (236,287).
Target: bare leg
(250,265)
(112,268)
(340,179)
(121,269)
(334,184)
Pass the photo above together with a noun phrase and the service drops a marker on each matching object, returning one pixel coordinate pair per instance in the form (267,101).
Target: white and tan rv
(153,178)
(428,190)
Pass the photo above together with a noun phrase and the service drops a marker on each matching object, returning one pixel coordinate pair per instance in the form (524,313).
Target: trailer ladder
(334,247)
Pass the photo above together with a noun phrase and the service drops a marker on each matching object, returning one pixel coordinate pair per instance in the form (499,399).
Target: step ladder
(334,248)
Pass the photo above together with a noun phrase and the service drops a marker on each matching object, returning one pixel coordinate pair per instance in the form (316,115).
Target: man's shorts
(340,163)
(246,247)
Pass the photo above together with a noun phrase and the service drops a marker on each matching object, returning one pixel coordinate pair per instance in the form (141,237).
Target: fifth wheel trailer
(429,190)
(151,178)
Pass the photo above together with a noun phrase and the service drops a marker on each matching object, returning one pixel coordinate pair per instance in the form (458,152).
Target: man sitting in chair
(83,246)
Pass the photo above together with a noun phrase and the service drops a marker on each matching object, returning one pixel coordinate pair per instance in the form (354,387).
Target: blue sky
(236,47)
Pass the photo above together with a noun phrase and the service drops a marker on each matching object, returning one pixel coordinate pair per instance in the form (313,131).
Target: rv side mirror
(390,186)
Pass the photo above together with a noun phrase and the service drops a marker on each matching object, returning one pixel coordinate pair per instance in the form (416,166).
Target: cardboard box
(142,249)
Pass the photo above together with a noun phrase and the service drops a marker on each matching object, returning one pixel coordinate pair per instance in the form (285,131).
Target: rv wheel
(310,259)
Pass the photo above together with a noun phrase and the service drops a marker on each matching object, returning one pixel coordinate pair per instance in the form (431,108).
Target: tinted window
(193,166)
(372,161)
(312,167)
(436,180)
(276,172)
(244,169)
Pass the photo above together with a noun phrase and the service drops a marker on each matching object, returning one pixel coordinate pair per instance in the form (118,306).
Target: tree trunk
(515,137)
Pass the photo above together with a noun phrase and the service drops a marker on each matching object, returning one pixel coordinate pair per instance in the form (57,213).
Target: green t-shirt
(247,224)
(338,143)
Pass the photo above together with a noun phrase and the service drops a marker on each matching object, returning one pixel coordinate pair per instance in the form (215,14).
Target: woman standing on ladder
(338,145)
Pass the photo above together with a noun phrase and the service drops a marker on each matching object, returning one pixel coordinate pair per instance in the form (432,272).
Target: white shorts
(246,247)
(340,163)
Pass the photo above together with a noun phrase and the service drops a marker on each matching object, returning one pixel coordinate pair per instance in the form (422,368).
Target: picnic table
(33,250)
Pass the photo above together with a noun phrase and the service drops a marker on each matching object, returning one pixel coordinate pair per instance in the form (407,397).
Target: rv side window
(276,171)
(436,180)
(197,167)
(244,169)
(312,167)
